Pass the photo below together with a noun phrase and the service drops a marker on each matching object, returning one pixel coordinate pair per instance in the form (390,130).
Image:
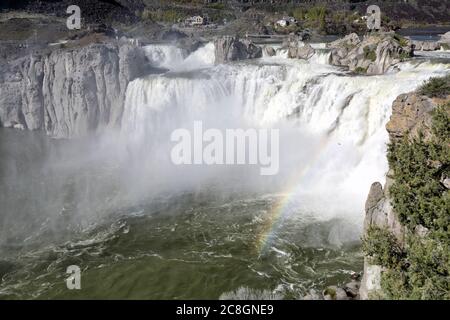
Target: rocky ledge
(372,55)
(442,43)
(69,92)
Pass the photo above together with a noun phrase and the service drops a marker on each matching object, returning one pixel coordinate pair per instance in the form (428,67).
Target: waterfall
(331,121)
(173,58)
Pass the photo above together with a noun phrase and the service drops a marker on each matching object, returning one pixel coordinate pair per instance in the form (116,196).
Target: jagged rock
(410,114)
(270,51)
(69,92)
(232,48)
(445,37)
(305,52)
(375,195)
(444,42)
(379,213)
(296,49)
(352,289)
(373,55)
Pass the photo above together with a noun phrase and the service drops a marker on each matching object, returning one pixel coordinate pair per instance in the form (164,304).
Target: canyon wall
(69,92)
(411,117)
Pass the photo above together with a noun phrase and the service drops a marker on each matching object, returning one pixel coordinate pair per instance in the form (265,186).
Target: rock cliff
(69,92)
(411,113)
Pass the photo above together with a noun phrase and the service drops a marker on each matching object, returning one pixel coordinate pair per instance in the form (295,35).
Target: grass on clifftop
(436,87)
(419,269)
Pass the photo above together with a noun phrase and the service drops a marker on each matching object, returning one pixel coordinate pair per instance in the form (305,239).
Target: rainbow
(276,216)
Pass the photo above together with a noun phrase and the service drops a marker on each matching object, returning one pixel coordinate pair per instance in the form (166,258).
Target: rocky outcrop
(444,42)
(410,114)
(372,55)
(379,213)
(71,92)
(269,51)
(297,49)
(304,52)
(426,45)
(232,49)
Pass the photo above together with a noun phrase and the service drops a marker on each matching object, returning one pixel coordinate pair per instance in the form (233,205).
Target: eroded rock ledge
(69,92)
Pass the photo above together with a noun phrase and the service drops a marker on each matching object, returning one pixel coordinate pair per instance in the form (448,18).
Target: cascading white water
(332,123)
(173,58)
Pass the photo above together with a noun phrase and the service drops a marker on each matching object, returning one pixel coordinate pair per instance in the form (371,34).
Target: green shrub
(401,40)
(361,70)
(381,247)
(436,87)
(370,54)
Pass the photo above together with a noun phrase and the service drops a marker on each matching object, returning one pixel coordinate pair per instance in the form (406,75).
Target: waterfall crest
(331,121)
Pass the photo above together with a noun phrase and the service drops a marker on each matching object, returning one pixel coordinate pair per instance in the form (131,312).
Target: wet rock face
(69,93)
(372,55)
(233,49)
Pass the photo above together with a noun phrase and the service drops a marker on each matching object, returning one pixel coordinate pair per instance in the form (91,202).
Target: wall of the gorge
(69,92)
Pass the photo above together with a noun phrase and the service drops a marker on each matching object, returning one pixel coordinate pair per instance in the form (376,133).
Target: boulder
(335,293)
(352,289)
(296,48)
(305,52)
(232,49)
(269,51)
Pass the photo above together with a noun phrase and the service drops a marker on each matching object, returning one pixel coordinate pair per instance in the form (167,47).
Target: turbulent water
(140,227)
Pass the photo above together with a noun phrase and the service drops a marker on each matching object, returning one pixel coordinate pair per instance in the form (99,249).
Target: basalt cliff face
(411,114)
(69,92)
